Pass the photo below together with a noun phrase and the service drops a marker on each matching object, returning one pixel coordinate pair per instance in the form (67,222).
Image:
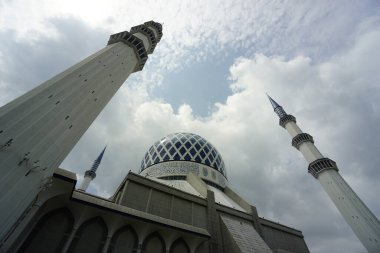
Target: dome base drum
(172,169)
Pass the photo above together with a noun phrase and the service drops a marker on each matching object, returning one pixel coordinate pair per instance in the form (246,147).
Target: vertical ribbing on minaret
(39,128)
(90,174)
(362,221)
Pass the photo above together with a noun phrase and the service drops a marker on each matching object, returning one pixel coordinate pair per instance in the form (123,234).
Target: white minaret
(361,220)
(38,129)
(90,174)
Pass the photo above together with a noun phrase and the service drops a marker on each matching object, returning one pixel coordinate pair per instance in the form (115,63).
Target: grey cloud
(26,63)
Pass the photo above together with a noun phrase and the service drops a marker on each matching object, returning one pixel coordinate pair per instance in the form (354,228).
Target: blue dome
(184,147)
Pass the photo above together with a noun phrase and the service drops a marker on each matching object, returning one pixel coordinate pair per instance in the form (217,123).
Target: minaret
(361,220)
(38,129)
(90,174)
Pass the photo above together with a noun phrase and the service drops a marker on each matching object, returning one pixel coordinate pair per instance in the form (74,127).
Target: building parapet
(279,226)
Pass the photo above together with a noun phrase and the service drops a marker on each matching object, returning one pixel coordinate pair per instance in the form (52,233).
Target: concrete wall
(80,222)
(76,227)
(158,199)
(151,216)
(282,238)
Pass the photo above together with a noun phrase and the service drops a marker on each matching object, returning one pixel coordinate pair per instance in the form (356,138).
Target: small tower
(361,220)
(90,174)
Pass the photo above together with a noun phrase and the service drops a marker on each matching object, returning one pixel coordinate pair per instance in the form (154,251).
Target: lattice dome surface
(184,147)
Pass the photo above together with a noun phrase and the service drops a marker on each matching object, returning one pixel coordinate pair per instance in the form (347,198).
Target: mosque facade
(180,201)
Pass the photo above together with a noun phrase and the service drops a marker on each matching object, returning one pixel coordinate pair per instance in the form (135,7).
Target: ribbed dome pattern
(184,147)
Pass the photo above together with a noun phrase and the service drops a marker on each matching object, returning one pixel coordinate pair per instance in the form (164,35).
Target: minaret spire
(277,108)
(96,163)
(361,220)
(90,174)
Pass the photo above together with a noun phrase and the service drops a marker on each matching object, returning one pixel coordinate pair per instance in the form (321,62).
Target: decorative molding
(90,173)
(301,138)
(184,168)
(280,111)
(320,165)
(148,33)
(287,118)
(156,26)
(135,43)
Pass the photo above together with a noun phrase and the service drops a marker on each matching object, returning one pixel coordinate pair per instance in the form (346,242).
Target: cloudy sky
(209,75)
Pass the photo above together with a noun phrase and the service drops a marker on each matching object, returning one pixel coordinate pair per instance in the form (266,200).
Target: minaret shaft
(47,122)
(308,149)
(362,221)
(39,129)
(85,183)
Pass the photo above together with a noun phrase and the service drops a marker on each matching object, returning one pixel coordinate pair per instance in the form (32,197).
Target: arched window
(50,233)
(179,246)
(153,244)
(90,237)
(124,240)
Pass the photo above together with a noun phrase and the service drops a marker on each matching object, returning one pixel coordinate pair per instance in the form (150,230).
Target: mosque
(181,199)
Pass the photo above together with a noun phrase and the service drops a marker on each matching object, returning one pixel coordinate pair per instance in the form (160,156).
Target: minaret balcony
(90,173)
(134,42)
(320,165)
(148,33)
(287,118)
(301,138)
(157,27)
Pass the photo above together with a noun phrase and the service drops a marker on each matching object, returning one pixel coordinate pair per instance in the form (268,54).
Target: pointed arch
(50,233)
(90,237)
(179,246)
(202,247)
(124,240)
(154,243)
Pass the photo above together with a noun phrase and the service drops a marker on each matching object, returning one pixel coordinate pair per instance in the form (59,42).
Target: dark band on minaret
(320,165)
(148,33)
(301,138)
(90,173)
(136,43)
(287,118)
(157,27)
(284,117)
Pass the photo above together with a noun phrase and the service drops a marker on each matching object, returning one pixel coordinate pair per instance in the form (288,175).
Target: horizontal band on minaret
(301,138)
(280,111)
(134,42)
(90,173)
(157,27)
(320,165)
(148,33)
(287,118)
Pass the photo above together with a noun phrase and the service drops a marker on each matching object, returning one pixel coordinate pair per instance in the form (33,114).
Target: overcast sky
(208,75)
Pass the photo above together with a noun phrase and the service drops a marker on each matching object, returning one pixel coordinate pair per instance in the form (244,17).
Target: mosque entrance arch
(154,243)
